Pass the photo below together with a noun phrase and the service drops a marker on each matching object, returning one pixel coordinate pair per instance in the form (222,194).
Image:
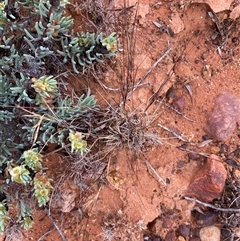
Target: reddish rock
(167,222)
(171,236)
(195,239)
(184,230)
(224,116)
(207,218)
(209,181)
(179,104)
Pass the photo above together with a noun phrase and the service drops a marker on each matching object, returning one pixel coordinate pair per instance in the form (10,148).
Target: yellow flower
(2,6)
(33,159)
(20,174)
(77,143)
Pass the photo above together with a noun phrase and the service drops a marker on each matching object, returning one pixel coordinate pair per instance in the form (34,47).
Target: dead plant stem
(56,226)
(139,83)
(234,210)
(44,235)
(153,172)
(178,112)
(174,133)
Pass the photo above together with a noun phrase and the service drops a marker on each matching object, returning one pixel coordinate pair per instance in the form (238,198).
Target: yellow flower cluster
(20,174)
(42,189)
(77,143)
(33,159)
(46,87)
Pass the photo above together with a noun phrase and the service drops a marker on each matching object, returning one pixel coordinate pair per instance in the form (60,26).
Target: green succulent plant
(86,48)
(25,215)
(45,87)
(42,189)
(33,159)
(20,174)
(4,216)
(77,143)
(37,37)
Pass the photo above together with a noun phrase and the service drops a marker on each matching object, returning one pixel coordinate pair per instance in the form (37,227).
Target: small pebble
(209,180)
(157,239)
(212,233)
(171,236)
(184,230)
(215,42)
(206,219)
(225,114)
(179,104)
(232,163)
(193,156)
(181,238)
(181,164)
(237,153)
(194,239)
(234,39)
(205,137)
(215,149)
(225,232)
(167,222)
(224,148)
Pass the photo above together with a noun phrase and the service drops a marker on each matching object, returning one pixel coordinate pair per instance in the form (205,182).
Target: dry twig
(178,112)
(44,235)
(56,226)
(139,83)
(234,210)
(174,133)
(153,172)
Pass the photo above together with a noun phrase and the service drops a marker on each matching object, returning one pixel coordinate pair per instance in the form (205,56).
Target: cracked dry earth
(141,194)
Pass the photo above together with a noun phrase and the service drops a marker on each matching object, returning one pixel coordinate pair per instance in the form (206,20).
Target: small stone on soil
(194,239)
(171,236)
(193,156)
(224,116)
(181,238)
(210,233)
(233,163)
(167,222)
(215,149)
(209,181)
(225,232)
(179,104)
(206,218)
(181,164)
(184,230)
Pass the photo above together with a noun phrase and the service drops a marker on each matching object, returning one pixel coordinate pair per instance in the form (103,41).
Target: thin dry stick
(55,151)
(56,226)
(234,210)
(139,83)
(195,152)
(178,112)
(153,172)
(106,87)
(87,204)
(44,235)
(174,133)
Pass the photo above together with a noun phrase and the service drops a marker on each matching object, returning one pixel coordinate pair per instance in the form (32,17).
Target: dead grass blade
(153,172)
(56,226)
